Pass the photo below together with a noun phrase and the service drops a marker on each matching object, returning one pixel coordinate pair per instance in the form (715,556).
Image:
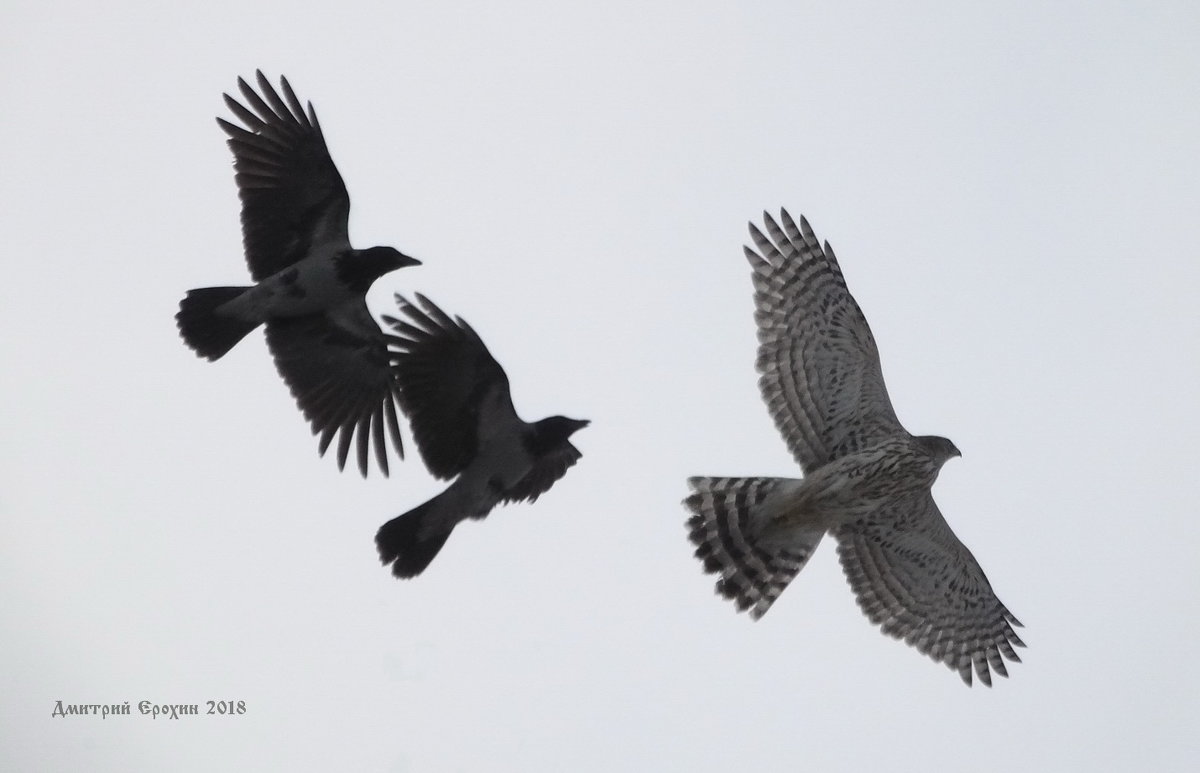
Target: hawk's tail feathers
(753,571)
(404,543)
(208,333)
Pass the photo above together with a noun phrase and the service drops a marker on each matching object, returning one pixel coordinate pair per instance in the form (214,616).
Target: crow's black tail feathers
(208,333)
(403,543)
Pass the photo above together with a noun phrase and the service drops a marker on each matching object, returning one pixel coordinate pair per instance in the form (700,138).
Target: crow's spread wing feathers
(448,380)
(336,366)
(293,199)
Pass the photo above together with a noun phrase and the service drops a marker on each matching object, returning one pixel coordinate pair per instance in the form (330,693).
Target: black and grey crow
(457,400)
(311,284)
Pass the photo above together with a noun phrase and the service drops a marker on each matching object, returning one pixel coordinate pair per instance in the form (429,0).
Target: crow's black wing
(293,198)
(336,366)
(448,379)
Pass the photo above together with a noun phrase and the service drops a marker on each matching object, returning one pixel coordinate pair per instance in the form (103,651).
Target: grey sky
(1011,189)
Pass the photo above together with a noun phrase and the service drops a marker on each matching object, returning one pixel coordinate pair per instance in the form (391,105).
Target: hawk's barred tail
(208,333)
(753,571)
(402,540)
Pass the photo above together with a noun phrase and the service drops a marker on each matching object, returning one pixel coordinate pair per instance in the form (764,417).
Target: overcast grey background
(1012,190)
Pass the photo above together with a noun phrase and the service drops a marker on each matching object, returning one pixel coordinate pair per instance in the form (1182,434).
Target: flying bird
(311,284)
(456,397)
(866,480)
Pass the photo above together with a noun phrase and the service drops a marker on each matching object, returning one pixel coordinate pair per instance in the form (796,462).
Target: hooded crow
(457,399)
(311,284)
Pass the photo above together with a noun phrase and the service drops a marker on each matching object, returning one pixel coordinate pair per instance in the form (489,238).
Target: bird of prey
(456,397)
(866,480)
(311,284)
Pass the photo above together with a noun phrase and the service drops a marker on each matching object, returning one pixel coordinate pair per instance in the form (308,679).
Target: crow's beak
(408,260)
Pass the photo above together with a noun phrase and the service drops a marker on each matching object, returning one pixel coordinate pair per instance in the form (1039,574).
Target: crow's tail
(410,541)
(208,332)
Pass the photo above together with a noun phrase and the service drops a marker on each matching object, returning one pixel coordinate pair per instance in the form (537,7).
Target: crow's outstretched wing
(336,366)
(449,383)
(293,199)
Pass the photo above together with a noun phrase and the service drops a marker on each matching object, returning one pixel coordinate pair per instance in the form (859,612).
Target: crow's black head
(359,270)
(552,432)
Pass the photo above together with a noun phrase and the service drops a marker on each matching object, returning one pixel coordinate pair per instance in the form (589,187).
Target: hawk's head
(939,448)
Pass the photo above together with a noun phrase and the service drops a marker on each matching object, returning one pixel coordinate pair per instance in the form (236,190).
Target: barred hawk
(866,480)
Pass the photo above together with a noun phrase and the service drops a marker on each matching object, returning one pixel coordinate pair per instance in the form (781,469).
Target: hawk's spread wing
(292,195)
(819,366)
(337,369)
(914,578)
(448,380)
(545,473)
